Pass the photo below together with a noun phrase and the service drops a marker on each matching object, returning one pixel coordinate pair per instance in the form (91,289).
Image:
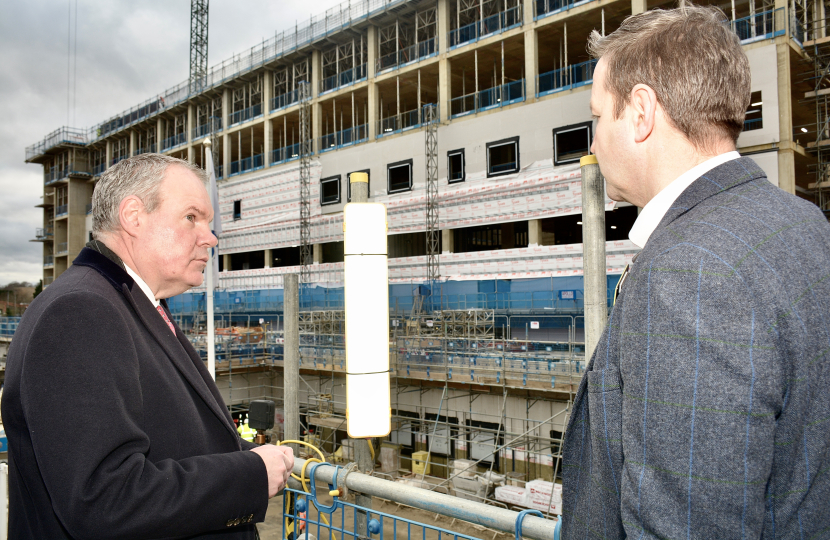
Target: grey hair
(691,59)
(140,176)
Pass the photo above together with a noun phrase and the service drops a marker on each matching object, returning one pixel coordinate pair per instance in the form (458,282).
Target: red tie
(164,316)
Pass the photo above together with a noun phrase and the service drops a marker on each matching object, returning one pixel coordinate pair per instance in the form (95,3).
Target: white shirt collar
(143,286)
(657,207)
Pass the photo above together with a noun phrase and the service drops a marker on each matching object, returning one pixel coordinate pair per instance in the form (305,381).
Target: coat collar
(178,348)
(723,177)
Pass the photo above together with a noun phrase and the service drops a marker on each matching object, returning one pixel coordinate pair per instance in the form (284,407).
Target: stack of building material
(536,495)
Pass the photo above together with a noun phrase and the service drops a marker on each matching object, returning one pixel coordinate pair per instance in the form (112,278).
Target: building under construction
(484,201)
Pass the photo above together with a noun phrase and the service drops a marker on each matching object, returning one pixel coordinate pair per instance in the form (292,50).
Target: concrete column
(132,142)
(444,88)
(786,154)
(269,257)
(527,12)
(189,125)
(372,51)
(159,134)
(638,6)
(316,73)
(109,154)
(226,143)
(534,232)
(447,241)
(593,242)
(226,262)
(267,126)
(291,365)
(317,253)
(531,59)
(373,111)
(316,124)
(444,25)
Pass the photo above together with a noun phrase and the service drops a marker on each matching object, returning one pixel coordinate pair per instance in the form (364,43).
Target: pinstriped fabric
(705,410)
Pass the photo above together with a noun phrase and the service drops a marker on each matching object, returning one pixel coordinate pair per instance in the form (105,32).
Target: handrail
(455,507)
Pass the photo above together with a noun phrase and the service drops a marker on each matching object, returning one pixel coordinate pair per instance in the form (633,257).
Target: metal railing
(247,164)
(544,8)
(48,260)
(402,122)
(54,175)
(246,114)
(48,280)
(286,153)
(62,249)
(566,78)
(61,210)
(214,125)
(63,135)
(149,150)
(345,137)
(344,78)
(44,233)
(764,25)
(284,100)
(489,98)
(97,170)
(117,159)
(172,142)
(408,55)
(494,24)
(755,123)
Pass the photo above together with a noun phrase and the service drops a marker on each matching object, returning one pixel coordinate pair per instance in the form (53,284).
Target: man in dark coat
(704,411)
(115,427)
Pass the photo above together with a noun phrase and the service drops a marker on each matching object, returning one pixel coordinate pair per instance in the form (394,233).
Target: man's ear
(129,214)
(644,111)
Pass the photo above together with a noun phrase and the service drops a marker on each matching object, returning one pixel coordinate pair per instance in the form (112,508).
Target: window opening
(503,157)
(571,143)
(399,176)
(455,166)
(330,190)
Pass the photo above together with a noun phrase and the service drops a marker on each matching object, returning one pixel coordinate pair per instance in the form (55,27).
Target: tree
(38,289)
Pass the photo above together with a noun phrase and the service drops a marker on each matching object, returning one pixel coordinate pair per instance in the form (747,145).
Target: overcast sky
(127,52)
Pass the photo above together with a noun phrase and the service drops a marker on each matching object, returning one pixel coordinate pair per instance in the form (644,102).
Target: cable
(304,481)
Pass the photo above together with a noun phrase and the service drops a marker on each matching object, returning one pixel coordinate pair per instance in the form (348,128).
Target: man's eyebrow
(195,210)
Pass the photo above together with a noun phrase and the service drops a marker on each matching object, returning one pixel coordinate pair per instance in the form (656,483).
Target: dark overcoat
(115,427)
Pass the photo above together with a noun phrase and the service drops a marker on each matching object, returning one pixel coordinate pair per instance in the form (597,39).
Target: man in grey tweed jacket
(705,409)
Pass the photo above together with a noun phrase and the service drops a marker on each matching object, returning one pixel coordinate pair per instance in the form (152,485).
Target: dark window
(455,166)
(754,114)
(332,252)
(248,260)
(503,157)
(618,222)
(491,237)
(237,210)
(571,143)
(399,176)
(330,190)
(349,181)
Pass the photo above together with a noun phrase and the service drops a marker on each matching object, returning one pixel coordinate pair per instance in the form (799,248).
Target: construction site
(470,118)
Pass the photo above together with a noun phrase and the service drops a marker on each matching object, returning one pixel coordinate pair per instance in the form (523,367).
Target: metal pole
(593,242)
(291,357)
(481,514)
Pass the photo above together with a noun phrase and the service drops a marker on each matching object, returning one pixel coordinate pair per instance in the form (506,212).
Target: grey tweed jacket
(705,409)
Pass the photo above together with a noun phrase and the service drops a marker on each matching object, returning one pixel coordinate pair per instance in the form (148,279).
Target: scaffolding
(818,44)
(306,151)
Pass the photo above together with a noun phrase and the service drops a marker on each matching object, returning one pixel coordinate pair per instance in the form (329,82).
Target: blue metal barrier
(343,519)
(8,326)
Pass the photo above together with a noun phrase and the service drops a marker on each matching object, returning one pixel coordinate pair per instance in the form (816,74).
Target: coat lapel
(182,356)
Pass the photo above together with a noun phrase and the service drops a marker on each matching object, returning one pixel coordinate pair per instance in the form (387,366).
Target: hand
(279,462)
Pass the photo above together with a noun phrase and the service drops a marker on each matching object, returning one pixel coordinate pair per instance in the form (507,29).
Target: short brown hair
(691,59)
(139,175)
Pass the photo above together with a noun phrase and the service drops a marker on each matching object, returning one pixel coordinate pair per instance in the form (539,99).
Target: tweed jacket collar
(190,365)
(744,169)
